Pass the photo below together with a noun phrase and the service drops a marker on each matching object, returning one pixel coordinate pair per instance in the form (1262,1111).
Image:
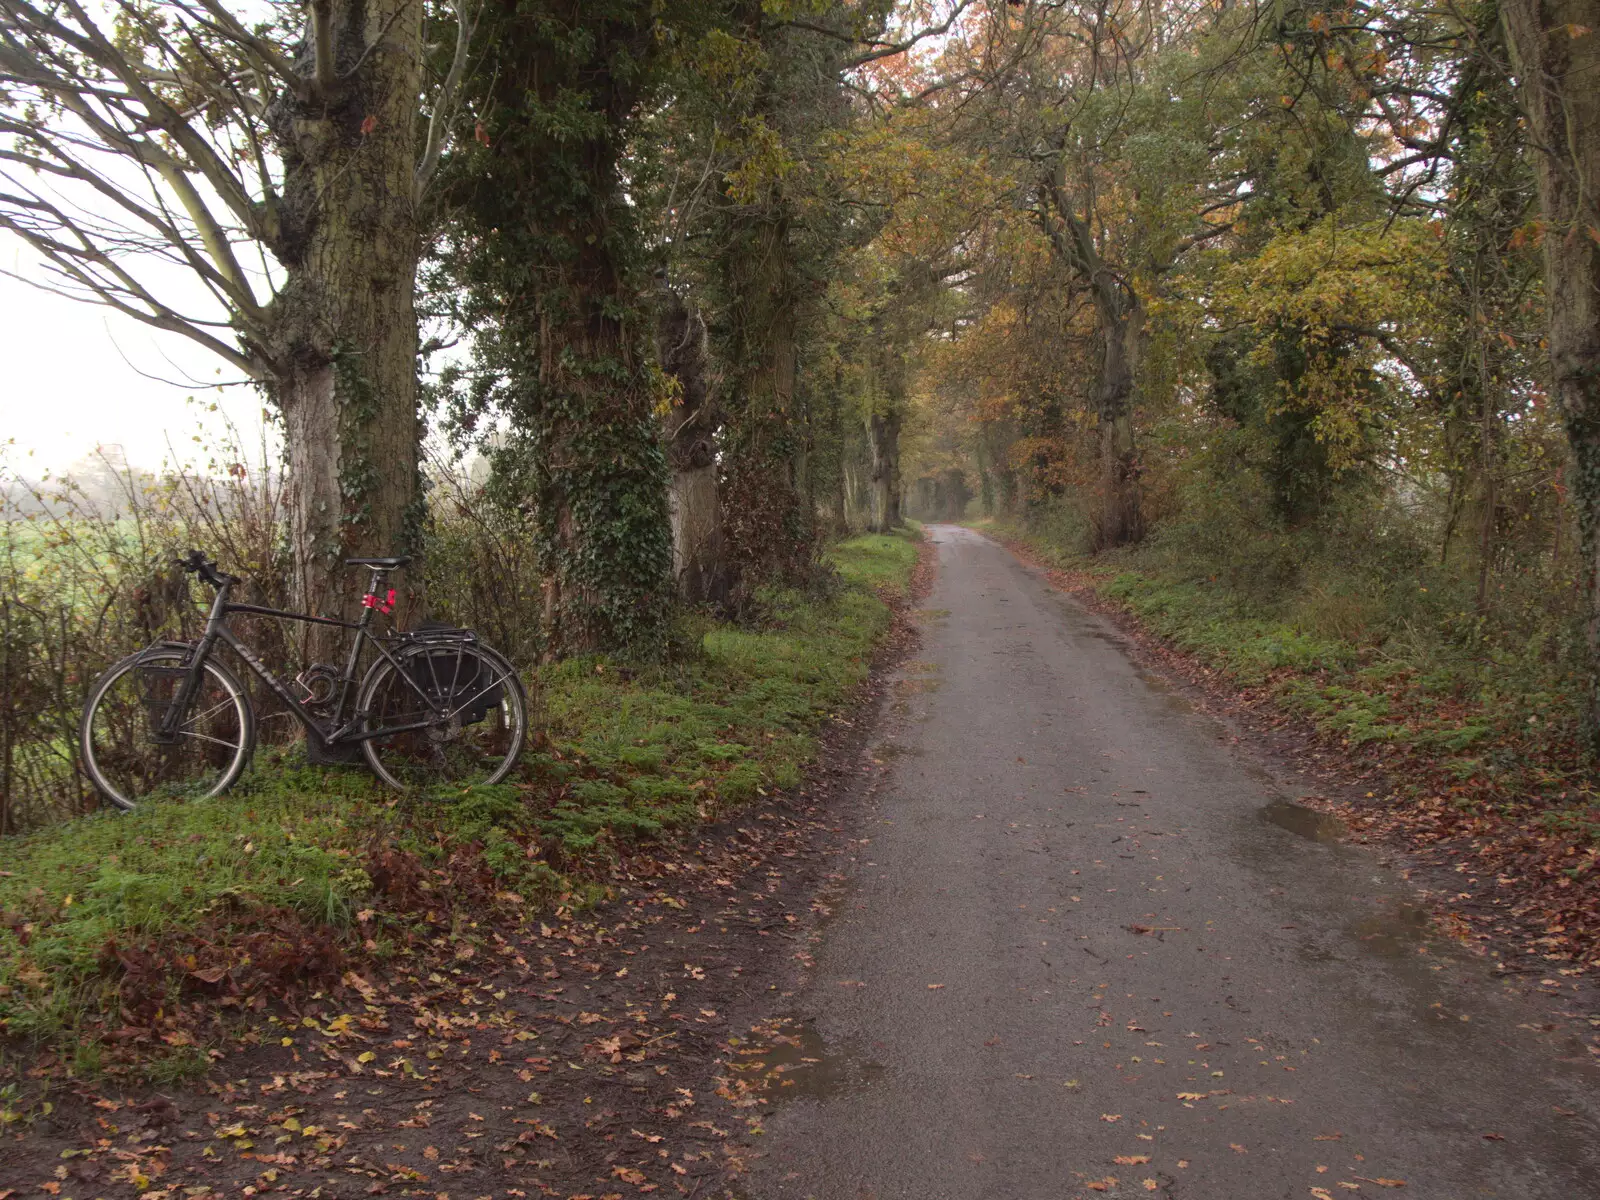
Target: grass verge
(124,938)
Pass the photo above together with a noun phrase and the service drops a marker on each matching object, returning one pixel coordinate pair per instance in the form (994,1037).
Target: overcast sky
(70,378)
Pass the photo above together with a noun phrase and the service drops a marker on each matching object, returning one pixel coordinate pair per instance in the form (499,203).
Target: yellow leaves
(1111,1116)
(1344,294)
(1150,1185)
(1131,1160)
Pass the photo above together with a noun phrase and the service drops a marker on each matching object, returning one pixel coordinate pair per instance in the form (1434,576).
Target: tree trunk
(1121,519)
(551,257)
(883,429)
(599,481)
(1555,53)
(345,321)
(770,531)
(698,550)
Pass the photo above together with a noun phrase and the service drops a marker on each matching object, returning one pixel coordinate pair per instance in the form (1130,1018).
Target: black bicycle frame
(340,730)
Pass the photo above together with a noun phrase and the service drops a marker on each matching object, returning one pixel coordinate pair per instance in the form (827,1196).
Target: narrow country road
(1080,957)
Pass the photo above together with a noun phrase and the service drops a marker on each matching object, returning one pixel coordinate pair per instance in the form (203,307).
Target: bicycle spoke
(204,738)
(471,721)
(128,756)
(217,707)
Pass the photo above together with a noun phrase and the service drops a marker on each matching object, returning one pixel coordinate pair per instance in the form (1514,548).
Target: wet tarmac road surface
(1090,951)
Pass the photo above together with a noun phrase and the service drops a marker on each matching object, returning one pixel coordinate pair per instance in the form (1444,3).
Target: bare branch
(444,105)
(323,48)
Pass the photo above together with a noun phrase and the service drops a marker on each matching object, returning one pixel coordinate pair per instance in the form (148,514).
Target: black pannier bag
(455,673)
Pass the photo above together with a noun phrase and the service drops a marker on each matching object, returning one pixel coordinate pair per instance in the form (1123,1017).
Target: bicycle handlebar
(197,563)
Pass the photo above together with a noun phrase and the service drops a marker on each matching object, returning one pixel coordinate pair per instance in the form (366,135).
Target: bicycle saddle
(383,564)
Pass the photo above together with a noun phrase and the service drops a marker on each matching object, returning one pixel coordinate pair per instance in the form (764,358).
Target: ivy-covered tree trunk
(551,262)
(771,533)
(1555,51)
(345,323)
(599,485)
(699,559)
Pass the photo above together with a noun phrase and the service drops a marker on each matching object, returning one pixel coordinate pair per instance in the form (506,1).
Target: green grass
(631,754)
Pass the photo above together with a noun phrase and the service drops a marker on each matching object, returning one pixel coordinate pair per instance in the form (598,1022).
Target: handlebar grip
(197,563)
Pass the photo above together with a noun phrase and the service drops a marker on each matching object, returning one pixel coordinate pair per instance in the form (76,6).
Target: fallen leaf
(1237,1149)
(1150,1185)
(1322,1193)
(1111,1116)
(1130,1160)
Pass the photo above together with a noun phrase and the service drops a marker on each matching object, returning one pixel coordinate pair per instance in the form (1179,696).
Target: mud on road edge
(590,1057)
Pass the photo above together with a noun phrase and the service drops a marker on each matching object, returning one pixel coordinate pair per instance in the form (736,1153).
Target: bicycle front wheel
(458,714)
(124,752)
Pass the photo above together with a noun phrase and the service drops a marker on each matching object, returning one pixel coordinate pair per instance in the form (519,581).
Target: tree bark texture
(552,264)
(1120,320)
(771,533)
(1120,520)
(1555,52)
(883,431)
(345,323)
(699,559)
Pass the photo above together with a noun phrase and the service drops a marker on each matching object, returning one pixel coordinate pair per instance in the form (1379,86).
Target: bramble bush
(88,575)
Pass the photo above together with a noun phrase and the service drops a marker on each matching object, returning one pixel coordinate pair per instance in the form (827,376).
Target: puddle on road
(799,1063)
(887,750)
(1302,821)
(1162,688)
(1394,934)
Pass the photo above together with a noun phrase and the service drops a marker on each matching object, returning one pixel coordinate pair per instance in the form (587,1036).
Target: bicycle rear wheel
(124,754)
(469,709)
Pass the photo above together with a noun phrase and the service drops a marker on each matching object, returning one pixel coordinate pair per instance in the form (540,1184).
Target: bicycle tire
(450,752)
(126,773)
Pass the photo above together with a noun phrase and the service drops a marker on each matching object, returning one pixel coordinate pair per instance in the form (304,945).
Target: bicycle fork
(195,669)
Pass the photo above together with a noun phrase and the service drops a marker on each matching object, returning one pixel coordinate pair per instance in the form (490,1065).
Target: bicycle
(435,707)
